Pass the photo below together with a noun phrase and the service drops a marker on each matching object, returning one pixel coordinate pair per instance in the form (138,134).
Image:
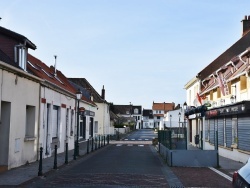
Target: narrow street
(121,164)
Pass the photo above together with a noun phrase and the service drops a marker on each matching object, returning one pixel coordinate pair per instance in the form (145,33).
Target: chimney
(55,66)
(103,93)
(246,25)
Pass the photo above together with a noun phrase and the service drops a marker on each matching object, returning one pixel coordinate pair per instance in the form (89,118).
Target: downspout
(38,126)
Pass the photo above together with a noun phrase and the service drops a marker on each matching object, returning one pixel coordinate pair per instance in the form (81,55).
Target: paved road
(141,135)
(128,163)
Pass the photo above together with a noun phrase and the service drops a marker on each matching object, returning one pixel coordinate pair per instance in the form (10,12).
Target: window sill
(29,138)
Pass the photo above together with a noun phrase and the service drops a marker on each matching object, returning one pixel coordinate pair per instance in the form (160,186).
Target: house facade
(159,109)
(102,125)
(19,107)
(224,93)
(148,119)
(58,109)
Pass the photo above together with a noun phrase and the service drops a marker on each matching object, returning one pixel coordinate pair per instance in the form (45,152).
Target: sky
(142,51)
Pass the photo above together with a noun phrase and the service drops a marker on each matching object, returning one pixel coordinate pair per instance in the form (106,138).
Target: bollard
(55,159)
(95,143)
(75,151)
(66,154)
(99,142)
(104,140)
(88,146)
(108,139)
(92,145)
(40,170)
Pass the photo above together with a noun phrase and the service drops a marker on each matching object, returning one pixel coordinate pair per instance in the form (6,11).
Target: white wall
(103,118)
(55,98)
(20,92)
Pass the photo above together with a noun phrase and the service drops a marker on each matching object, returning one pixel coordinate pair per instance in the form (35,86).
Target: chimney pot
(249,17)
(245,17)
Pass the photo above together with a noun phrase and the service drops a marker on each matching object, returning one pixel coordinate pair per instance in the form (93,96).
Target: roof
(41,70)
(148,112)
(18,37)
(163,106)
(6,59)
(228,71)
(85,84)
(226,56)
(122,109)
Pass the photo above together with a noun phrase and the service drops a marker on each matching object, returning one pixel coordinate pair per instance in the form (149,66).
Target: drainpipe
(38,126)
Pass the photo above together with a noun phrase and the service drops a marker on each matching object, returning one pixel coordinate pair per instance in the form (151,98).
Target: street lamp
(170,120)
(76,151)
(179,124)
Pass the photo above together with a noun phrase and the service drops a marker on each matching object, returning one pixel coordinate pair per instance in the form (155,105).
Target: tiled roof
(85,84)
(226,56)
(148,113)
(6,59)
(18,37)
(163,106)
(122,109)
(41,70)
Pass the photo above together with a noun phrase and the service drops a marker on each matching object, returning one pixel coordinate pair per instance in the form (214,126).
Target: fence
(173,139)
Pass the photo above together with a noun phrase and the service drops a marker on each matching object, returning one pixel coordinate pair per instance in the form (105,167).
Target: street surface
(128,163)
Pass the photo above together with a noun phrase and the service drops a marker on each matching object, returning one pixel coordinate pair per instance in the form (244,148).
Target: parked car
(241,178)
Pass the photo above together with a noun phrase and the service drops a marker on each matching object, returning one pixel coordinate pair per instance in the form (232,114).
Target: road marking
(119,145)
(139,139)
(220,173)
(126,139)
(146,139)
(141,145)
(130,145)
(132,139)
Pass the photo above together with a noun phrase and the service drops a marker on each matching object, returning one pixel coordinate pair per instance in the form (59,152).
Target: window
(82,127)
(55,121)
(229,87)
(218,92)
(211,95)
(158,117)
(243,82)
(234,131)
(30,121)
(96,127)
(136,111)
(138,117)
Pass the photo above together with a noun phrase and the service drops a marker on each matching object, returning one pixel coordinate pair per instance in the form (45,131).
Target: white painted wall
(19,91)
(103,118)
(55,98)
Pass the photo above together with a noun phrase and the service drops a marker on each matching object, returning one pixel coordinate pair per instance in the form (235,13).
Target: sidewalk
(19,175)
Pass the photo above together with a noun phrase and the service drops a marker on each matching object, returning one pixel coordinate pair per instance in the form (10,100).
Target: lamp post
(170,116)
(76,151)
(185,125)
(179,124)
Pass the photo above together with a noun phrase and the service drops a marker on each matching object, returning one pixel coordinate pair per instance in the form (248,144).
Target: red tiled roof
(41,70)
(163,106)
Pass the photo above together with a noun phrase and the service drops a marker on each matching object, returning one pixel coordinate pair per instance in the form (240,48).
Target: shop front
(232,125)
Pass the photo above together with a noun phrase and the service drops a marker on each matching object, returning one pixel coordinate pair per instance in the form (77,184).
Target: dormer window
(136,111)
(20,52)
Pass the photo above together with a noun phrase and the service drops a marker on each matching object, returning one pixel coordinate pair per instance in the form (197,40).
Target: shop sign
(237,109)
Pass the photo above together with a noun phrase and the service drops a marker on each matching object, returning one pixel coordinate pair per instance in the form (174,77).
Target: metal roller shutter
(228,130)
(244,133)
(221,131)
(211,132)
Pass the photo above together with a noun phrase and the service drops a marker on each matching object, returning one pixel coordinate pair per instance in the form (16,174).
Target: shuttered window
(243,82)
